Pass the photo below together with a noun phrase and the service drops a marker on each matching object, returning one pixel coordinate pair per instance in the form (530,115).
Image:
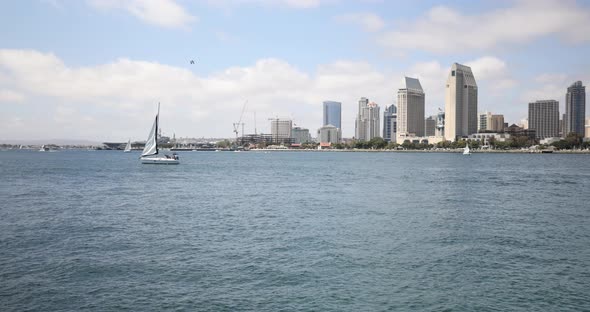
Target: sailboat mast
(157,121)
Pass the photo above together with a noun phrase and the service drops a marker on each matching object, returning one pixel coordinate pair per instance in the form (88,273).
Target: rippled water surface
(287,231)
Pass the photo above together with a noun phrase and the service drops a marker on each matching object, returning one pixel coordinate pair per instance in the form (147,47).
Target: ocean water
(294,231)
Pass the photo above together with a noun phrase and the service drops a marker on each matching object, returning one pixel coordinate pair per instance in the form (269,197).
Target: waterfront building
(497,123)
(280,128)
(484,121)
(518,131)
(575,109)
(562,126)
(410,105)
(300,135)
(587,128)
(390,123)
(460,103)
(430,126)
(440,124)
(333,114)
(544,118)
(367,120)
(329,134)
(486,137)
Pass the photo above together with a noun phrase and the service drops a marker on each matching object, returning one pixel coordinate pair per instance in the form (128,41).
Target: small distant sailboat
(128,147)
(466,150)
(151,148)
(43,149)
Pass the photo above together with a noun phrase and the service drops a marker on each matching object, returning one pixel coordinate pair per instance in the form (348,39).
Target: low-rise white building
(420,139)
(486,137)
(550,140)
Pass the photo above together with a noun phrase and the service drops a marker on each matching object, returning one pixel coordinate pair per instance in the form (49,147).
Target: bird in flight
(192,62)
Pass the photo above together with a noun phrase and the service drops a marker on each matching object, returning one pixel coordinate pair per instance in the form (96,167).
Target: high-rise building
(410,105)
(300,135)
(389,123)
(333,114)
(430,126)
(575,109)
(562,126)
(280,129)
(544,118)
(440,124)
(497,124)
(460,103)
(329,134)
(367,120)
(484,121)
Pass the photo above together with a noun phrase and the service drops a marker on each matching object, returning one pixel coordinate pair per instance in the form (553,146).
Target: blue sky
(68,69)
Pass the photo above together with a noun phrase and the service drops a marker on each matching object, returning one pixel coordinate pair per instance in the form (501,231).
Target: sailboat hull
(159,161)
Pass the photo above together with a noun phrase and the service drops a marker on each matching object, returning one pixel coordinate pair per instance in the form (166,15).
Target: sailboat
(466,150)
(128,147)
(150,151)
(43,148)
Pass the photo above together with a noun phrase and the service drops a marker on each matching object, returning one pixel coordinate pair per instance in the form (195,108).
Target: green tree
(574,140)
(377,143)
(223,144)
(408,145)
(339,145)
(391,145)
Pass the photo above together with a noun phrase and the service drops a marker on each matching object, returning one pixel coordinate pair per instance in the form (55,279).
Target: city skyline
(102,79)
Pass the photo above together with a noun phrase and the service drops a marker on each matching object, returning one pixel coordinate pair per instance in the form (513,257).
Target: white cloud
(369,21)
(295,4)
(432,76)
(9,96)
(121,96)
(552,86)
(493,70)
(303,3)
(550,78)
(164,13)
(490,73)
(446,30)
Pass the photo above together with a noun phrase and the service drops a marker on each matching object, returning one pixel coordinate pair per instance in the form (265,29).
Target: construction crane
(240,123)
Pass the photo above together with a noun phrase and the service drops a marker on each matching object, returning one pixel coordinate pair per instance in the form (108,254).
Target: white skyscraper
(410,110)
(367,120)
(460,103)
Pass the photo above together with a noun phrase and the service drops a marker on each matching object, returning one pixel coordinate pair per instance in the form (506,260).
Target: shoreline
(422,151)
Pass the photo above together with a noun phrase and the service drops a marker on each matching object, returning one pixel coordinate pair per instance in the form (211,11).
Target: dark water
(291,231)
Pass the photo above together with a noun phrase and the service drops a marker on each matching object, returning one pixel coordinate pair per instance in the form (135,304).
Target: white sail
(128,147)
(151,148)
(151,145)
(466,150)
